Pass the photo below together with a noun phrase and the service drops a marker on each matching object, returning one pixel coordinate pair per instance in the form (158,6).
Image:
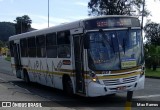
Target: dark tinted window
(52,51)
(63,40)
(51,39)
(11,43)
(40,40)
(63,37)
(51,45)
(64,51)
(31,47)
(40,43)
(24,49)
(31,42)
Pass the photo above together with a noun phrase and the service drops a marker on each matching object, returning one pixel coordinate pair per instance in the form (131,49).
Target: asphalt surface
(13,89)
(5,66)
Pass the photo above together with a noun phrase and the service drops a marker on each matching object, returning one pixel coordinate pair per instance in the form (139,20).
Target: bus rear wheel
(67,84)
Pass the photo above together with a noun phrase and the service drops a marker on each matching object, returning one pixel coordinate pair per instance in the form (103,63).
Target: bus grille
(120,81)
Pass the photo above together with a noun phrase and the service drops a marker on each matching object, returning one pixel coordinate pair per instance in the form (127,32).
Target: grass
(150,72)
(8,58)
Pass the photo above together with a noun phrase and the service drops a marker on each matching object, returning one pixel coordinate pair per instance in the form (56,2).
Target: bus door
(17,59)
(79,67)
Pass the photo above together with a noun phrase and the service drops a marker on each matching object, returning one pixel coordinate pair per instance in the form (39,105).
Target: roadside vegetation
(150,72)
(8,58)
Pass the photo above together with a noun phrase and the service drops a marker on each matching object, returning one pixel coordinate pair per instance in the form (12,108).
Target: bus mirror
(86,42)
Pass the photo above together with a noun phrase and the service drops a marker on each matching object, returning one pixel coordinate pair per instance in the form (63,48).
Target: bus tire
(112,95)
(67,86)
(26,77)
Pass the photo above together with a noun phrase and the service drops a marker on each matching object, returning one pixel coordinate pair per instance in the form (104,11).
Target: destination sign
(112,22)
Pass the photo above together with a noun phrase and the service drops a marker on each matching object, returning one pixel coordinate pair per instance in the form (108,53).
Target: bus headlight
(93,77)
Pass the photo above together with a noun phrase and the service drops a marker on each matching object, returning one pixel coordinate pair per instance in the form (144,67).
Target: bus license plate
(121,88)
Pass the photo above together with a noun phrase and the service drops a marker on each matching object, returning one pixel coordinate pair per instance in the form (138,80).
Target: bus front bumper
(95,89)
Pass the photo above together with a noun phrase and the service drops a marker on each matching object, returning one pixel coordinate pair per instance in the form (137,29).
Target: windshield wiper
(104,40)
(124,45)
(125,39)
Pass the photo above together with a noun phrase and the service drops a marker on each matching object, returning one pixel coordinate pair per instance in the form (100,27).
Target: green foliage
(115,7)
(7,29)
(1,44)
(153,73)
(8,58)
(152,56)
(152,46)
(23,24)
(152,33)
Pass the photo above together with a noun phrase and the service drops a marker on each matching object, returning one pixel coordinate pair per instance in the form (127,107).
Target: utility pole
(142,13)
(21,25)
(48,13)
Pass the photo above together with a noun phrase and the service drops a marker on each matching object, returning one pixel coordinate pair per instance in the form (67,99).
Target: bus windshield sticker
(125,63)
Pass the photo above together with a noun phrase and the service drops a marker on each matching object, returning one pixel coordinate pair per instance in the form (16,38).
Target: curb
(153,77)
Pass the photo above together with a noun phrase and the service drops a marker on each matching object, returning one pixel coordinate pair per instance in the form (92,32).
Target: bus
(92,57)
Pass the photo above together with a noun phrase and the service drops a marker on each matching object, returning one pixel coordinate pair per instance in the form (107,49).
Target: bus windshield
(114,50)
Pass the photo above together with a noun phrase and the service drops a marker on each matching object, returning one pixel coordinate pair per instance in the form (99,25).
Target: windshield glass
(114,50)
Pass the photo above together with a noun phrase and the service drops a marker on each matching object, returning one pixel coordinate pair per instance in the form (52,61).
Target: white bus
(92,57)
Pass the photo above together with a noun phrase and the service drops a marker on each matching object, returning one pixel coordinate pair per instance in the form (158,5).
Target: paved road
(5,66)
(13,89)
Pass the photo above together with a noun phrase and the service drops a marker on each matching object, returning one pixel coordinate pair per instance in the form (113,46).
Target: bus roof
(61,27)
(108,16)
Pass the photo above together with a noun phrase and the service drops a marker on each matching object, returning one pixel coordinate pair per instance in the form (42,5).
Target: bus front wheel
(26,77)
(67,84)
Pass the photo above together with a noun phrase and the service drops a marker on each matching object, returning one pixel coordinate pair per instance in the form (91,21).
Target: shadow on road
(59,97)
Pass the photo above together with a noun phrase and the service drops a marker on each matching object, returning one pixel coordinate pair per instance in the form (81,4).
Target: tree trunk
(154,65)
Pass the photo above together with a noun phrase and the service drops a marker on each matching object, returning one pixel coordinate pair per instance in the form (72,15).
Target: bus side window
(31,47)
(11,48)
(51,45)
(40,43)
(23,45)
(63,40)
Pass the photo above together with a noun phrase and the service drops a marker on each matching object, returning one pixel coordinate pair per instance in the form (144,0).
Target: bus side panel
(41,71)
(50,68)
(24,62)
(13,66)
(32,69)
(56,77)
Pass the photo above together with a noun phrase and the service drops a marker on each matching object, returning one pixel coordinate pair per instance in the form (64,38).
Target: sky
(61,11)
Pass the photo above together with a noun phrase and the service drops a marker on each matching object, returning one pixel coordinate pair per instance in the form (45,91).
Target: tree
(115,7)
(23,24)
(1,45)
(152,56)
(152,46)
(7,29)
(152,33)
